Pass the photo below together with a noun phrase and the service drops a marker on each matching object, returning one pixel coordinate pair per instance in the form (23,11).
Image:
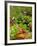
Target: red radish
(22,31)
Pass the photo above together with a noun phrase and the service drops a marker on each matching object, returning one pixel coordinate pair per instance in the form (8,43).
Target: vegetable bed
(20,22)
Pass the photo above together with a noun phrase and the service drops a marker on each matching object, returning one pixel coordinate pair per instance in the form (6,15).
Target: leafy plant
(22,21)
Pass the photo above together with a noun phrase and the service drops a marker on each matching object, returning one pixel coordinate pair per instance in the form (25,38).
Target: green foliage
(13,31)
(16,10)
(21,20)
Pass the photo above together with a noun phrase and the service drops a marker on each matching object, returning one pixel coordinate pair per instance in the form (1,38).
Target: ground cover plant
(20,22)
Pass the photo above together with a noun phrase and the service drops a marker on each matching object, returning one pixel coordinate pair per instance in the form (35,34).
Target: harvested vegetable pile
(20,22)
